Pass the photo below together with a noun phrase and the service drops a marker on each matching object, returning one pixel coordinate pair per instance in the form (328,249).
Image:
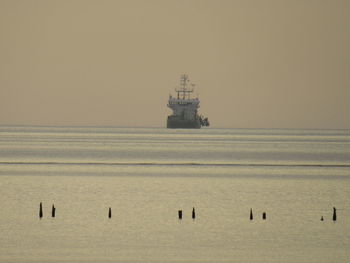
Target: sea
(146,175)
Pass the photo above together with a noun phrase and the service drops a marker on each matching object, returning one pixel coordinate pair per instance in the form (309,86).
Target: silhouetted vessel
(185,110)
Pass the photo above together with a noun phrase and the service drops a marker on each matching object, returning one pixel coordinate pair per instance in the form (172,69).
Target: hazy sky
(256,63)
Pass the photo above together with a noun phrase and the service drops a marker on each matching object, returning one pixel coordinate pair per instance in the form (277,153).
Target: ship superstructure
(185,108)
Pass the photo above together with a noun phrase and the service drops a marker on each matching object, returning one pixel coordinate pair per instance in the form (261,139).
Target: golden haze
(257,64)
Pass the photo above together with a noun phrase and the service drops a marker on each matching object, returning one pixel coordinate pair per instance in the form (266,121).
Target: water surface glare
(147,175)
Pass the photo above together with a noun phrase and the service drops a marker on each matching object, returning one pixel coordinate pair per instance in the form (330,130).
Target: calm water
(147,175)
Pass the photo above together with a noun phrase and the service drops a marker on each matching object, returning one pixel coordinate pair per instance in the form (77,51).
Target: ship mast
(184,91)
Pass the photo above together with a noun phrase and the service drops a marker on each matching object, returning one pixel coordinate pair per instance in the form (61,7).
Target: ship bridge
(185,108)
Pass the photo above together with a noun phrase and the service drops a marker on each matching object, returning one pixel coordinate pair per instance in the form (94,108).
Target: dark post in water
(41,211)
(53,212)
(180,214)
(264,216)
(110,213)
(334,214)
(193,213)
(251,214)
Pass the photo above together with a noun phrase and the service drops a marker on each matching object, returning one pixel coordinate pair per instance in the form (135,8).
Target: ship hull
(183,124)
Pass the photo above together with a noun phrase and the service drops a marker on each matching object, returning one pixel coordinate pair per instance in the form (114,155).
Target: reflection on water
(145,226)
(147,175)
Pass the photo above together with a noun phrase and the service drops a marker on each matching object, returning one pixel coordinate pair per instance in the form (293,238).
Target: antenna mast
(184,90)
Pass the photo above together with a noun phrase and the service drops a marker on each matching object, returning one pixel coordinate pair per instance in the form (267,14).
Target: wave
(180,164)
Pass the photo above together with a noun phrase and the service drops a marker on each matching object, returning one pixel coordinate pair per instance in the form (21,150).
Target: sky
(255,63)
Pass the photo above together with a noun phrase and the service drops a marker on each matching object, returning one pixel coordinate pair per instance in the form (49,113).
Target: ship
(185,109)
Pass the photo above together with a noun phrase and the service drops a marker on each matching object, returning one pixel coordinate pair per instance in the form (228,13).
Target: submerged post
(41,211)
(193,213)
(251,214)
(110,213)
(264,216)
(334,214)
(322,218)
(180,214)
(53,212)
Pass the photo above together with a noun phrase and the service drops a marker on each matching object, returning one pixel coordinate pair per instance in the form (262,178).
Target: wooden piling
(322,218)
(53,212)
(334,214)
(110,213)
(251,214)
(264,216)
(41,211)
(193,213)
(180,214)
